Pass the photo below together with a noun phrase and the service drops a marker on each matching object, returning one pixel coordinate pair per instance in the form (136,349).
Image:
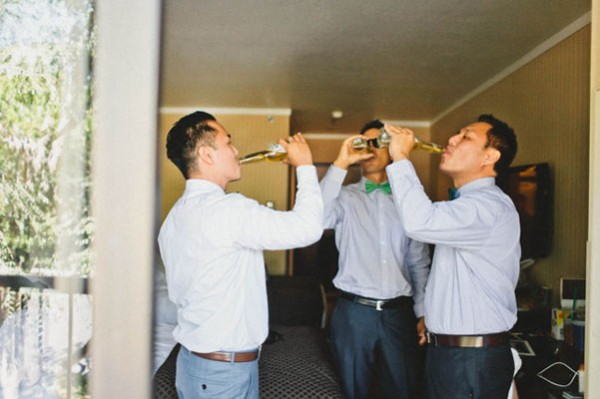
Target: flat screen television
(531,189)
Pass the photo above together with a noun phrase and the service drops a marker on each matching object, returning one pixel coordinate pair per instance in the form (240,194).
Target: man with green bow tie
(385,187)
(381,278)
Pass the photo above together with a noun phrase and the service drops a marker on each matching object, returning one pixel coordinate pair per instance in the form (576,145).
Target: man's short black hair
(501,137)
(184,137)
(374,124)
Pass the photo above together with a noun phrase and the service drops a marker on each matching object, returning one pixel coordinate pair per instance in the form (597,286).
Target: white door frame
(592,333)
(125,195)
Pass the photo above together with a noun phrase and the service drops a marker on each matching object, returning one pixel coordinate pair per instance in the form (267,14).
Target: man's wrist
(399,157)
(341,164)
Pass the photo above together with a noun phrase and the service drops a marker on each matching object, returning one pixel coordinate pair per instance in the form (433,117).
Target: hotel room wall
(547,103)
(262,181)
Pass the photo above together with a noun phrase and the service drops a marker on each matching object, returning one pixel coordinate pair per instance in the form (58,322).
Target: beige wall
(262,181)
(547,103)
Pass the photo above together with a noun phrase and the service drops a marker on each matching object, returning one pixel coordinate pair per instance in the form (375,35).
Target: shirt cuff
(306,172)
(336,174)
(403,177)
(419,310)
(402,167)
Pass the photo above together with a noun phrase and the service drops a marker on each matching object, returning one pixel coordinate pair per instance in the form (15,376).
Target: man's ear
(492,155)
(206,154)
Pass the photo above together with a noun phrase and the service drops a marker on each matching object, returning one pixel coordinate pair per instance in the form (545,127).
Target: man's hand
(402,142)
(421,330)
(348,156)
(298,151)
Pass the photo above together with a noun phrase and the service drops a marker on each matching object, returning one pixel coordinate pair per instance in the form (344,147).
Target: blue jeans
(209,379)
(376,351)
(477,373)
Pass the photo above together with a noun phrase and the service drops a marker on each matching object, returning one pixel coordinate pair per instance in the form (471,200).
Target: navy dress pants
(469,373)
(376,352)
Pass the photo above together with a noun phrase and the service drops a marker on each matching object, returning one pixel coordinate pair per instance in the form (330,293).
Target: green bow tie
(385,187)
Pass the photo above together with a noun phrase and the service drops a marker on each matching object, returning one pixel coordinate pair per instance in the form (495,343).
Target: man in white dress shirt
(470,300)
(381,278)
(212,247)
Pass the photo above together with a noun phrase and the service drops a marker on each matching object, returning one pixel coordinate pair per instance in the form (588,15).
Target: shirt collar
(362,183)
(201,185)
(476,184)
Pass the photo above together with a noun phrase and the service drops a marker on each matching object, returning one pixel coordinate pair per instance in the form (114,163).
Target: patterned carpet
(297,365)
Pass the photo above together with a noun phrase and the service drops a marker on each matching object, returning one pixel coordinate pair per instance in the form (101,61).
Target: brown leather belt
(231,357)
(378,304)
(468,341)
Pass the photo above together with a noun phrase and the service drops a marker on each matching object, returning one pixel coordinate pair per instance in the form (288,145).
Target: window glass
(46,48)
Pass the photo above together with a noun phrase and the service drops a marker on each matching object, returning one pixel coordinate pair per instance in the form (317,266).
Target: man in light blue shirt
(470,300)
(381,278)
(212,247)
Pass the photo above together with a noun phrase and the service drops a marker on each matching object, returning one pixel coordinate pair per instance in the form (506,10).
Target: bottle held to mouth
(360,144)
(383,141)
(274,153)
(427,146)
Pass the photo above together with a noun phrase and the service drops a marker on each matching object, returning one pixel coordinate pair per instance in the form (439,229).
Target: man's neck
(460,181)
(376,177)
(209,178)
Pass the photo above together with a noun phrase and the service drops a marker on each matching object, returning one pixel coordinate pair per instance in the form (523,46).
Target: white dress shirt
(212,247)
(165,320)
(377,260)
(471,288)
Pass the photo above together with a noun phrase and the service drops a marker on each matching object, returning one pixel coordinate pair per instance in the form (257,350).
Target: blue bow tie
(452,193)
(385,187)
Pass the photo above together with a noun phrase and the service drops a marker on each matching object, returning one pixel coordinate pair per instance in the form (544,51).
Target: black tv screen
(530,188)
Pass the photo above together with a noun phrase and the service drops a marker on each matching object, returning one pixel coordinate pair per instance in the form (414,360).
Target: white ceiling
(395,60)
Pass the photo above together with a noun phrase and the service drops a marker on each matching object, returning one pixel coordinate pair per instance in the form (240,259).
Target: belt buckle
(379,304)
(429,337)
(471,342)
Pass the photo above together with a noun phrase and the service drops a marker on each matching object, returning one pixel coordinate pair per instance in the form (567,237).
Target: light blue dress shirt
(212,243)
(475,268)
(377,260)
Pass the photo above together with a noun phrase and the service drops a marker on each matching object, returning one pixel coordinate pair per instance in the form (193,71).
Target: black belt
(468,341)
(378,304)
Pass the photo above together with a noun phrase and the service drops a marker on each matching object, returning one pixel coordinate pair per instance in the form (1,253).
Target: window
(45,224)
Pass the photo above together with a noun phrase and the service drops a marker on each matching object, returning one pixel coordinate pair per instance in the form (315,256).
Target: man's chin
(368,163)
(239,176)
(446,170)
(443,163)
